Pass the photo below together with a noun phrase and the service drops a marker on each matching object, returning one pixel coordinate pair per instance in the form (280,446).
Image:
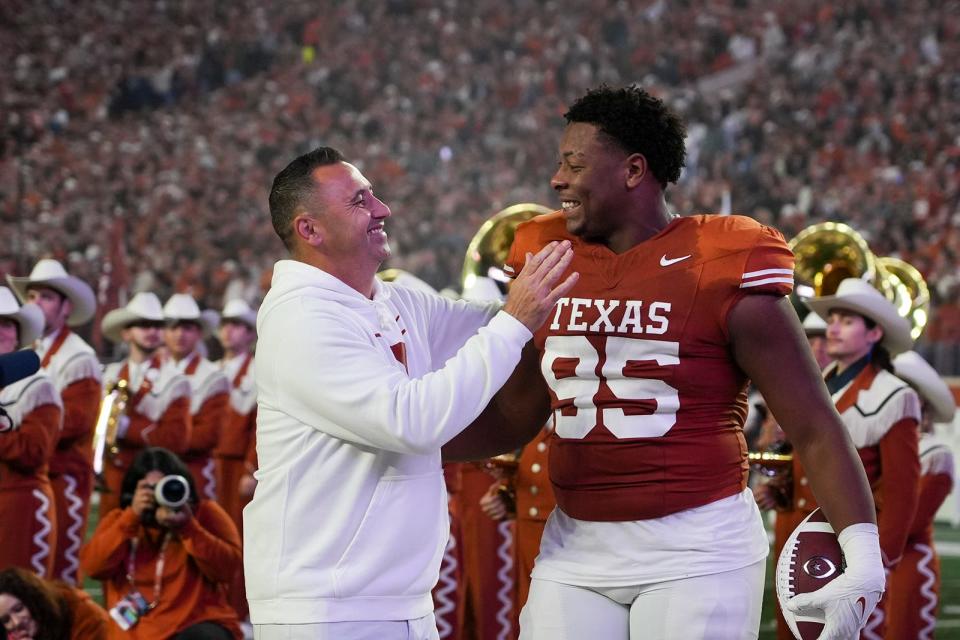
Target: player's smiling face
(591,182)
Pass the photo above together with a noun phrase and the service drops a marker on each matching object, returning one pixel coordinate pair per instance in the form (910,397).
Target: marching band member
(881,411)
(209,387)
(30,416)
(237,333)
(914,588)
(67,301)
(157,408)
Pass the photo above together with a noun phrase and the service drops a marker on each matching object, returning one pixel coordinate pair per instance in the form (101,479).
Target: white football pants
(424,628)
(722,606)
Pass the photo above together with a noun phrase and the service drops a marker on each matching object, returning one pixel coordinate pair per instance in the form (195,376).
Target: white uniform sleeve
(326,373)
(452,322)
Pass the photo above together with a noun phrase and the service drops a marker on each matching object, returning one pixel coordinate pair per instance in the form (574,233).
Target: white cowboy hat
(29,317)
(182,306)
(910,366)
(50,273)
(240,311)
(143,306)
(814,325)
(860,297)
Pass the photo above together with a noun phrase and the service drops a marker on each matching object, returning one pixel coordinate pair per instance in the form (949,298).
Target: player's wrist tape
(861,550)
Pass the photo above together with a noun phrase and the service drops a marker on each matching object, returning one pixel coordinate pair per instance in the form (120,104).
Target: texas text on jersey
(648,402)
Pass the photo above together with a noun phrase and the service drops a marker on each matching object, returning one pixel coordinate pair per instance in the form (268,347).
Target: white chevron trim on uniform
(928,610)
(42,516)
(209,474)
(446,593)
(505,579)
(74,531)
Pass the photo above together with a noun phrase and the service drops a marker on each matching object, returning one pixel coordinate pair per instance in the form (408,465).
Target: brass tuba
(490,246)
(830,252)
(112,407)
(913,295)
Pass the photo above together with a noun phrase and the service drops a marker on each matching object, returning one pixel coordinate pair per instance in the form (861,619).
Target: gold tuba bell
(828,253)
(112,408)
(913,296)
(490,246)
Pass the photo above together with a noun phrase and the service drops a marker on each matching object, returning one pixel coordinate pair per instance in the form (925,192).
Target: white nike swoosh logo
(666,262)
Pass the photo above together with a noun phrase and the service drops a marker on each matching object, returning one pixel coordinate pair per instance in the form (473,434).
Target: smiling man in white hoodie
(360,383)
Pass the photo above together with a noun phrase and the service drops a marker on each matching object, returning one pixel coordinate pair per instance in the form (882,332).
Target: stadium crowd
(139,137)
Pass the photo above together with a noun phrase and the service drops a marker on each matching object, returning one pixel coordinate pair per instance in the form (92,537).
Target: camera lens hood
(172,492)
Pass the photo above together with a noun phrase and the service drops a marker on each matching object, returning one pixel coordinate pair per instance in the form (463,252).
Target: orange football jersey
(648,402)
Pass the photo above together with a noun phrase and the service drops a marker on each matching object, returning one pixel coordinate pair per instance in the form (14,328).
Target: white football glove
(848,600)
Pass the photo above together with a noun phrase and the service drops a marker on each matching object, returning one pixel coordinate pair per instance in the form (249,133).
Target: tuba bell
(112,407)
(913,295)
(490,246)
(830,252)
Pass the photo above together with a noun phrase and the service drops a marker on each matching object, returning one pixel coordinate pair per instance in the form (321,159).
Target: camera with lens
(172,491)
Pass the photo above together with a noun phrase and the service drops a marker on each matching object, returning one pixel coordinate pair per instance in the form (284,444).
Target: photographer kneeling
(165,556)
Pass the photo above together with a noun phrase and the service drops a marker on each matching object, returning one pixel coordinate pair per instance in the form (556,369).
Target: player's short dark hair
(636,122)
(293,186)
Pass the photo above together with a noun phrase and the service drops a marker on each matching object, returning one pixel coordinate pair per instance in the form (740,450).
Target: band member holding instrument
(67,301)
(209,387)
(880,411)
(157,412)
(237,334)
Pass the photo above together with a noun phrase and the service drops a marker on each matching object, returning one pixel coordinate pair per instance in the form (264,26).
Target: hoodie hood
(292,278)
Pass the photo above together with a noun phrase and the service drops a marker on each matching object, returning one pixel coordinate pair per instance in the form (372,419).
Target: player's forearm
(836,475)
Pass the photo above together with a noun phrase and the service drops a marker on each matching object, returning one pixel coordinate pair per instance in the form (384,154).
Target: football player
(647,361)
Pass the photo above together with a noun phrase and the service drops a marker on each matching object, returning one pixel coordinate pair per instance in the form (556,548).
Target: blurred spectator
(32,608)
(168,565)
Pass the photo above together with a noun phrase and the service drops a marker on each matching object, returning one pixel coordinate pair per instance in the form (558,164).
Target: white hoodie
(349,519)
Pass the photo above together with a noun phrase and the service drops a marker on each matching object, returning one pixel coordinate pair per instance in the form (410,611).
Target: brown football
(810,559)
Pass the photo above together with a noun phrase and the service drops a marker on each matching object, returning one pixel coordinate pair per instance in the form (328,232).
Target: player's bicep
(769,346)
